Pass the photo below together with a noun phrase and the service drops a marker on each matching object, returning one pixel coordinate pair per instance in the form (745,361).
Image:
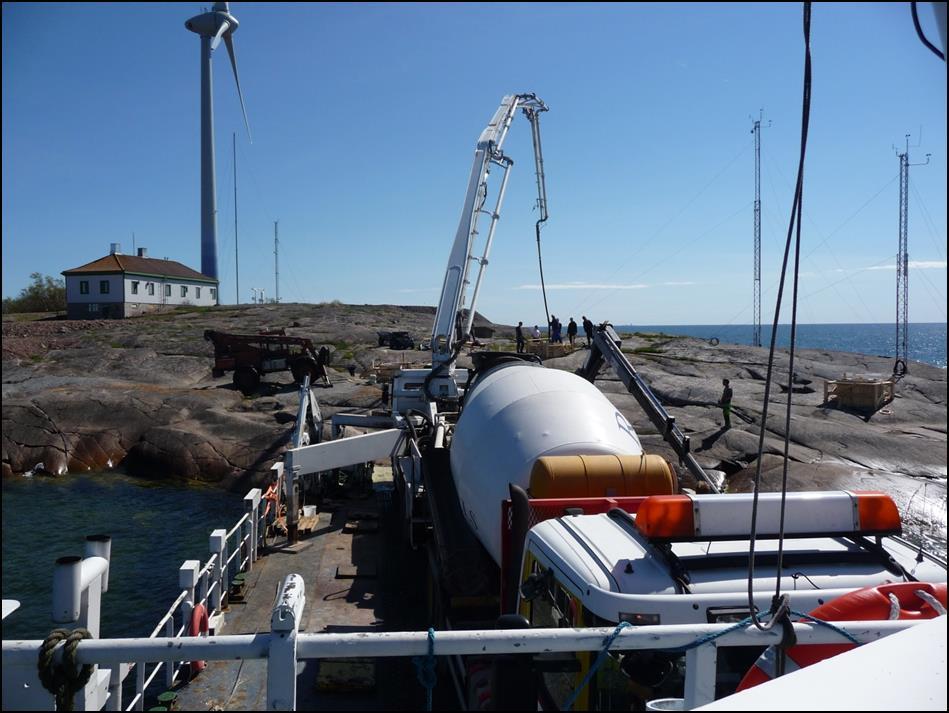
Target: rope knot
(66,678)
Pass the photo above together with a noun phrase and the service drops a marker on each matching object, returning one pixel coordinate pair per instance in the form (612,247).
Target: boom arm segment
(447,332)
(606,348)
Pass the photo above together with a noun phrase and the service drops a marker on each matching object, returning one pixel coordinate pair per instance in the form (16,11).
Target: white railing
(284,648)
(232,551)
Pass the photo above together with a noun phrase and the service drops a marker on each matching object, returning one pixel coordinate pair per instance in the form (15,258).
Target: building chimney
(116,249)
(143,252)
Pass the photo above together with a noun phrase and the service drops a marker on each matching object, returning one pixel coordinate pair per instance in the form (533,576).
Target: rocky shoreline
(138,395)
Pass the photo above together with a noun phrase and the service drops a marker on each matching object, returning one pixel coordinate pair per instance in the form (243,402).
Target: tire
(247,380)
(301,367)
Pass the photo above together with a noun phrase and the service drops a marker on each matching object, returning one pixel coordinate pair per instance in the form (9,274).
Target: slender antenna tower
(237,264)
(134,252)
(756,130)
(902,266)
(276,268)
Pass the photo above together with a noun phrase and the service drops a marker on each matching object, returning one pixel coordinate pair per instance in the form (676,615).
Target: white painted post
(285,619)
(114,703)
(170,665)
(252,507)
(700,667)
(218,548)
(140,685)
(187,580)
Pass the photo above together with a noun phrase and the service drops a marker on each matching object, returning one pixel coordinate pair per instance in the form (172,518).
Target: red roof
(117,263)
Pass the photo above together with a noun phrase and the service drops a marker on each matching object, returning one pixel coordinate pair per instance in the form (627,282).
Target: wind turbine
(212,26)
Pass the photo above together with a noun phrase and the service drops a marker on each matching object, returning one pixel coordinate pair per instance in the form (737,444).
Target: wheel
(301,367)
(247,380)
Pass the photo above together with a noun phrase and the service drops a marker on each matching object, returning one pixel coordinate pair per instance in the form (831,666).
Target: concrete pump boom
(449,330)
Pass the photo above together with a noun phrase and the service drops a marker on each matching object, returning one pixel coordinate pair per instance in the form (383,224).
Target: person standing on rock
(588,329)
(571,331)
(519,337)
(726,403)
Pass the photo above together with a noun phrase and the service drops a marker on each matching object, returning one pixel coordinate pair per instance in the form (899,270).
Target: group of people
(554,332)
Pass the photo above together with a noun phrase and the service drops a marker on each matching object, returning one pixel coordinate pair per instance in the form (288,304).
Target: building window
(214,294)
(197,292)
(93,307)
(84,287)
(103,287)
(184,290)
(150,288)
(134,287)
(167,290)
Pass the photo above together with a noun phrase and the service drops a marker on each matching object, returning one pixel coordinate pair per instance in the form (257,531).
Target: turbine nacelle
(213,24)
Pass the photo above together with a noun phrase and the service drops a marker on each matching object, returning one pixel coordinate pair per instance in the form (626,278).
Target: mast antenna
(756,130)
(902,264)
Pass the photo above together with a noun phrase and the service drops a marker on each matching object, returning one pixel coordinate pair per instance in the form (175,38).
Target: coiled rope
(65,679)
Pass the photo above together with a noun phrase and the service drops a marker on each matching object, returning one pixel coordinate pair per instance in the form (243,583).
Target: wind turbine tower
(214,26)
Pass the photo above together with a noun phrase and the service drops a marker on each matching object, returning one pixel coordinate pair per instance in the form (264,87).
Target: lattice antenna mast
(902,265)
(756,130)
(276,268)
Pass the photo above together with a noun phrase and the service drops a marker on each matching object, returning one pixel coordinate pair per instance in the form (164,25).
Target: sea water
(927,340)
(154,525)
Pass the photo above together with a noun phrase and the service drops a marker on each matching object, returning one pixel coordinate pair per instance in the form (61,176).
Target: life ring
(713,341)
(199,627)
(903,600)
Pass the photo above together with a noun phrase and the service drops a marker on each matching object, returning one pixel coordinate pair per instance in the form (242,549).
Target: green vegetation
(648,350)
(44,294)
(656,335)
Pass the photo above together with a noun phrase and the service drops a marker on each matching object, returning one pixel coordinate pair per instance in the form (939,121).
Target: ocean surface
(154,528)
(927,340)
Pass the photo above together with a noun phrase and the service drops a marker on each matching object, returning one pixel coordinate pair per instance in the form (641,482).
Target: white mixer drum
(513,416)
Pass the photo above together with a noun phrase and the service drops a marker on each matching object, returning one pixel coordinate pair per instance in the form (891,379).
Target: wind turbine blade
(229,41)
(216,40)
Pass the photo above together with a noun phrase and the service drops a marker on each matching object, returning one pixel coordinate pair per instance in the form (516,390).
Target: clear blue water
(927,340)
(155,526)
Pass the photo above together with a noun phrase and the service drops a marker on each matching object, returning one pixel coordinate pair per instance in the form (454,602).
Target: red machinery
(250,356)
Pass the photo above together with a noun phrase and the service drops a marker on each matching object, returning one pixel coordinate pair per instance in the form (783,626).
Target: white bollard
(285,619)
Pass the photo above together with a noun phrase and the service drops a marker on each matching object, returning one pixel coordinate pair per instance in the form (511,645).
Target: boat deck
(357,579)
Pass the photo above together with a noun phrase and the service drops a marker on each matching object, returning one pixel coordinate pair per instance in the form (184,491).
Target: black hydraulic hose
(779,608)
(540,263)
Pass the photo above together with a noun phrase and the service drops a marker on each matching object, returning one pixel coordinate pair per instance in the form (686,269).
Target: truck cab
(683,559)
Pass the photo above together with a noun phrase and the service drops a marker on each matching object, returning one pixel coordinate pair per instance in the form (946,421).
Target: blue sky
(365,119)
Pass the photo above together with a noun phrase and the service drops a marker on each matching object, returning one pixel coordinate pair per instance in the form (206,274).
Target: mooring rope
(425,669)
(65,679)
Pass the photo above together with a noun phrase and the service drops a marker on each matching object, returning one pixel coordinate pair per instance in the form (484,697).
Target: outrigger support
(606,348)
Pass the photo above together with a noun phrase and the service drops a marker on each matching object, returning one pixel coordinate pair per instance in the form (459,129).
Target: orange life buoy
(199,627)
(885,602)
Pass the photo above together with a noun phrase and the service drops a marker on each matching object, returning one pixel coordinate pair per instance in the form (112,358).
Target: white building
(117,286)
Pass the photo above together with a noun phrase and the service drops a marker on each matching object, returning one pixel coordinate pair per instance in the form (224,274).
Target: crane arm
(448,332)
(607,348)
